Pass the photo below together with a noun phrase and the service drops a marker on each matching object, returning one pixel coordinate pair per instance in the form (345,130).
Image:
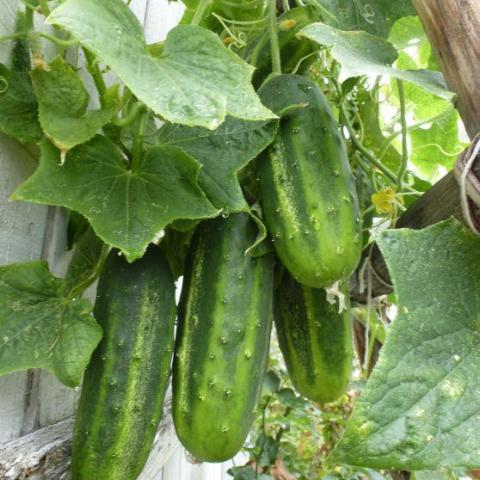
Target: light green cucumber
(225,319)
(307,190)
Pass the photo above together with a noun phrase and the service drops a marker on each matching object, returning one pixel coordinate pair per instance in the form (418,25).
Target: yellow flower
(384,201)
(287,24)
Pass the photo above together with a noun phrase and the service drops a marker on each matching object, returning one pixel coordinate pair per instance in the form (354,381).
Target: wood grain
(453,27)
(45,453)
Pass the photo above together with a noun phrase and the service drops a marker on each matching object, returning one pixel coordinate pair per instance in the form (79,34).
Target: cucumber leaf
(63,102)
(87,260)
(222,153)
(127,208)
(196,80)
(18,105)
(374,16)
(420,409)
(436,145)
(40,327)
(364,54)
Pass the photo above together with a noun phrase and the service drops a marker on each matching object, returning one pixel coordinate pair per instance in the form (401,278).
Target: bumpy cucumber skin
(125,384)
(307,189)
(225,319)
(315,340)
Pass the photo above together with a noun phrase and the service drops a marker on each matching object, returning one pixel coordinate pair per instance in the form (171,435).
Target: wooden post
(453,27)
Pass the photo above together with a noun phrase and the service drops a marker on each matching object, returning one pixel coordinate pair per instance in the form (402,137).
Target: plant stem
(138,143)
(403,119)
(44,7)
(385,170)
(58,41)
(414,126)
(28,18)
(274,45)
(286,6)
(13,36)
(94,71)
(197,17)
(131,115)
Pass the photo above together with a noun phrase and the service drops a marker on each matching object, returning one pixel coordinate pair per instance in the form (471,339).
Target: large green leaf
(436,145)
(421,407)
(196,81)
(127,208)
(40,327)
(222,153)
(63,102)
(18,105)
(374,16)
(364,54)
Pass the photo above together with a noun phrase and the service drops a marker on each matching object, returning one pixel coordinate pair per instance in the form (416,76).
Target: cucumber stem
(13,36)
(131,115)
(138,143)
(403,120)
(197,17)
(44,7)
(274,45)
(92,67)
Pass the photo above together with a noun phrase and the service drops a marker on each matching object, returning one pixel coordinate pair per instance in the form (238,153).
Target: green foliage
(41,327)
(63,103)
(195,87)
(222,153)
(18,104)
(419,410)
(129,181)
(376,17)
(127,208)
(364,54)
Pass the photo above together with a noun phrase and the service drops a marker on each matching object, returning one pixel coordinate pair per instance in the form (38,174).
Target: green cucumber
(292,48)
(307,189)
(225,319)
(125,384)
(315,340)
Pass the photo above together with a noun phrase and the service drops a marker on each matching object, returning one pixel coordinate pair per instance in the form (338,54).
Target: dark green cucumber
(315,340)
(225,319)
(307,189)
(125,383)
(292,48)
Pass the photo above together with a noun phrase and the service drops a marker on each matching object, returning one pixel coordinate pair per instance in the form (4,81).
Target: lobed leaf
(63,102)
(18,105)
(40,327)
(420,409)
(365,54)
(195,81)
(222,153)
(126,208)
(374,16)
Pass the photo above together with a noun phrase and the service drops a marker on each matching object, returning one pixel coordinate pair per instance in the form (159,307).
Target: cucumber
(125,384)
(292,48)
(225,319)
(316,341)
(307,189)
